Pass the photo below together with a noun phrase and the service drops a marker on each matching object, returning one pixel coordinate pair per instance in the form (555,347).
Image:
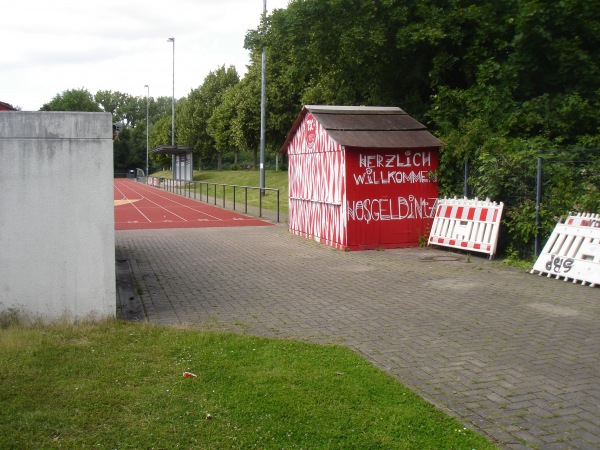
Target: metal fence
(228,196)
(544,181)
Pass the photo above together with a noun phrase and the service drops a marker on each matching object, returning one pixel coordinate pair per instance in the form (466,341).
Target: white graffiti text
(408,159)
(382,209)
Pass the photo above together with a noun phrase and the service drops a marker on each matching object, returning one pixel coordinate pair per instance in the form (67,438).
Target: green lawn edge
(121,385)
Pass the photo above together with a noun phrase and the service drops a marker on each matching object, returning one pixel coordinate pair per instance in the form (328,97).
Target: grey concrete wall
(57,252)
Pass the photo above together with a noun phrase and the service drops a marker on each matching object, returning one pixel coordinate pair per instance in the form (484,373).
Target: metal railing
(207,192)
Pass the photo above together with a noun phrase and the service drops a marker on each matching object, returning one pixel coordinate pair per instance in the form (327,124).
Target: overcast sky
(49,46)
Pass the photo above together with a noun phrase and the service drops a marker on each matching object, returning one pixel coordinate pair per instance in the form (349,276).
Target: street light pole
(147,111)
(263,101)
(172,39)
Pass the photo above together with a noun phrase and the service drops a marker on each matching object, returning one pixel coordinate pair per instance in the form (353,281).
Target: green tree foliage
(201,103)
(72,100)
(246,123)
(219,126)
(161,135)
(129,150)
(534,92)
(110,101)
(327,52)
(125,108)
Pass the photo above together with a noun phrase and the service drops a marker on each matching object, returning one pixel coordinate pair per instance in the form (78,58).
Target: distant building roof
(6,107)
(368,127)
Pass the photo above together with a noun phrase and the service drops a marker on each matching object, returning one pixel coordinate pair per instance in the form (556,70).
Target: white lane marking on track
(160,206)
(125,198)
(153,190)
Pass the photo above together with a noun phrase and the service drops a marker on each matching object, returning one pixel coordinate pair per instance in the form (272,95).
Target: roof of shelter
(171,150)
(368,127)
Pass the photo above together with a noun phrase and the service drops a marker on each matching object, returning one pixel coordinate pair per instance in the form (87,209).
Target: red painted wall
(359,199)
(390,196)
(316,170)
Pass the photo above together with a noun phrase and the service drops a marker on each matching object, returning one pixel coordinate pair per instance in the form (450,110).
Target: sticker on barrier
(573,251)
(467,225)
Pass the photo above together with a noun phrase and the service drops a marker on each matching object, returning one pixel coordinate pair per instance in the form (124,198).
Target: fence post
(538,201)
(466,183)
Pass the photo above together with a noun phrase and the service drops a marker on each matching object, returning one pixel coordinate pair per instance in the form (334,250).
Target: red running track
(142,207)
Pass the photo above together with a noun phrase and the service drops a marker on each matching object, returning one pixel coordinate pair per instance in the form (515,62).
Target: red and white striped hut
(361,177)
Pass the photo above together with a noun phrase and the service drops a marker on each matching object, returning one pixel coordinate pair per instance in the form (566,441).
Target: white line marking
(154,190)
(125,198)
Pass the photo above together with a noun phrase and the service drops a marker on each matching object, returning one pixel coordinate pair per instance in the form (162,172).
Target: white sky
(49,46)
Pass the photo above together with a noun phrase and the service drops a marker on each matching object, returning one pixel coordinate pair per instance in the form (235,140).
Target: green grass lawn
(273,179)
(121,385)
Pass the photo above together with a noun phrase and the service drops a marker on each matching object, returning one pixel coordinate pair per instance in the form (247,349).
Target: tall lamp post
(147,112)
(263,101)
(172,39)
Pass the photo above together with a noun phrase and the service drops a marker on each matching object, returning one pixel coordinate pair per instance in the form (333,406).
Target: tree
(110,102)
(72,100)
(160,106)
(132,110)
(533,86)
(125,108)
(220,126)
(161,135)
(343,52)
(199,107)
(130,150)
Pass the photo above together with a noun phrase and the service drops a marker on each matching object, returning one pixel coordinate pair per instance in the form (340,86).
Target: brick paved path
(514,355)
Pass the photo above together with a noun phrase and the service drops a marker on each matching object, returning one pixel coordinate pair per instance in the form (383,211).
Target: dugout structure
(182,160)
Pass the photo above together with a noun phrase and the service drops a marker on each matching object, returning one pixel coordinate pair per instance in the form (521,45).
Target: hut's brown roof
(368,127)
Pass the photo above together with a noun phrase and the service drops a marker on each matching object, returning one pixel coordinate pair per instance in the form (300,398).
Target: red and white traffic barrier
(467,225)
(573,251)
(154,181)
(584,220)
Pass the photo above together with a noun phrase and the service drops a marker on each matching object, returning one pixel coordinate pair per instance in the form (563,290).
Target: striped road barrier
(467,225)
(573,251)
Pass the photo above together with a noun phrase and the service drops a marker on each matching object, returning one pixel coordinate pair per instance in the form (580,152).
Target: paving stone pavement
(513,355)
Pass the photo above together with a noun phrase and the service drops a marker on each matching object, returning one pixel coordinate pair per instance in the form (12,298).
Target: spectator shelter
(182,160)
(361,177)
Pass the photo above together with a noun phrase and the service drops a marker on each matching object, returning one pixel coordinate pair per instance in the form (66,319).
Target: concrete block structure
(57,244)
